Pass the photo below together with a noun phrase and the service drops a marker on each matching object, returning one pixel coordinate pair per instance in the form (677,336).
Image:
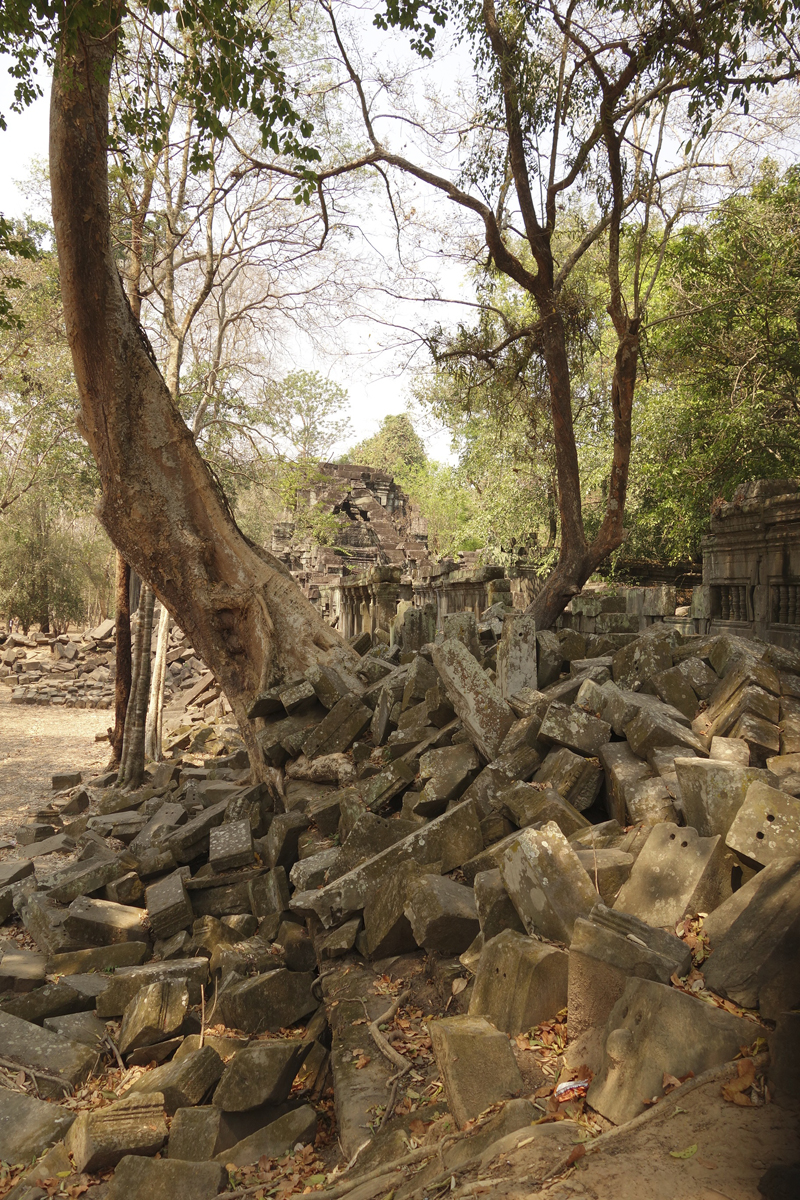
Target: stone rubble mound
(78,670)
(458,842)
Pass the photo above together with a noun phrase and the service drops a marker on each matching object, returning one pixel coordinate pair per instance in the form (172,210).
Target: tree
(394,448)
(573,107)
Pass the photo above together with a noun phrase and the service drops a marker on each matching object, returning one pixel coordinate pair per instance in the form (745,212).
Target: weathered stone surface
(21,970)
(731,750)
(640,660)
(231,845)
(12,872)
(260,1074)
(655,1030)
(484,713)
(676,872)
(100,1138)
(387,930)
(138,1178)
(755,941)
(339,729)
(182,1082)
(525,805)
(520,981)
(163,822)
(574,777)
(191,839)
(97,958)
(493,904)
(155,1014)
(451,840)
(168,906)
(272,1001)
(607,949)
(269,893)
(127,981)
(52,1000)
(572,727)
(442,914)
(477,1065)
(550,658)
(66,779)
(649,729)
(280,844)
(767,826)
(674,688)
(194,1134)
(128,889)
(649,802)
(607,868)
(546,882)
(713,791)
(446,772)
(28,1126)
(83,1027)
(623,769)
(102,923)
(81,878)
(56,1064)
(516,655)
(274,1140)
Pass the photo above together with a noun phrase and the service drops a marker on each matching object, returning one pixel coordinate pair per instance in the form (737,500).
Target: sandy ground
(36,741)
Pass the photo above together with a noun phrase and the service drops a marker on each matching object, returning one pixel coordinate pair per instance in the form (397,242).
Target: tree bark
(122,681)
(163,510)
(155,707)
(131,771)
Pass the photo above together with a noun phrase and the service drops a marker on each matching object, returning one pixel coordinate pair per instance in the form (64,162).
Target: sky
(375,388)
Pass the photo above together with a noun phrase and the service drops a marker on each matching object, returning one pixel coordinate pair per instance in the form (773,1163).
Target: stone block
(328,684)
(339,729)
(641,660)
(674,688)
(139,1178)
(195,1133)
(623,769)
(550,658)
(56,1064)
(100,1138)
(387,930)
(650,802)
(449,840)
(13,871)
(299,1126)
(280,844)
(607,949)
(496,913)
(127,981)
(268,1002)
(650,728)
(762,737)
(82,878)
(767,825)
(168,906)
(462,627)
(163,822)
(103,923)
(476,1063)
(446,772)
(97,958)
(191,840)
(128,889)
(269,893)
(231,845)
(420,678)
(21,970)
(66,779)
(547,884)
(755,941)
(572,727)
(520,982)
(52,1000)
(731,750)
(81,1027)
(655,1030)
(28,1126)
(155,1014)
(784,1056)
(182,1082)
(713,791)
(525,804)
(576,778)
(677,872)
(516,655)
(483,712)
(262,1073)
(442,914)
(608,868)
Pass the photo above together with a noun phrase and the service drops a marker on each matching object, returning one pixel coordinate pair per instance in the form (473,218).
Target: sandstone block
(262,1073)
(484,713)
(477,1065)
(546,882)
(677,872)
(139,1178)
(520,981)
(99,1139)
(442,914)
(155,1014)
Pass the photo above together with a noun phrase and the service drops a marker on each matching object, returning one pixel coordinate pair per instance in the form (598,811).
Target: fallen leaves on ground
(687,1153)
(747,1088)
(690,931)
(695,985)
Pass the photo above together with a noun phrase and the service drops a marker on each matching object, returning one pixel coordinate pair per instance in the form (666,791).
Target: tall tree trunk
(241,609)
(122,680)
(155,707)
(131,771)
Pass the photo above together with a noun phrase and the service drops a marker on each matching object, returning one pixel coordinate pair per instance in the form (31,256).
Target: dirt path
(35,742)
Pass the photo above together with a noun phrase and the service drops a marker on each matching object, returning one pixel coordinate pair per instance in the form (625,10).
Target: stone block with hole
(677,872)
(520,981)
(767,826)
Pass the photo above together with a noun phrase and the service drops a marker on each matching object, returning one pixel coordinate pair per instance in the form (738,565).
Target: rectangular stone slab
(339,729)
(477,1065)
(58,1065)
(677,872)
(767,826)
(28,1126)
(484,713)
(713,791)
(102,922)
(127,981)
(547,883)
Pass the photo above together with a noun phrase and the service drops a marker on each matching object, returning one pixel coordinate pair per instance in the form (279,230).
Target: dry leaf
(576,1153)
(669,1082)
(687,1153)
(458,986)
(363,1061)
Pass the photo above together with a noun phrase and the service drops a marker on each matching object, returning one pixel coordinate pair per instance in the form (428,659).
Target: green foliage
(14,244)
(446,501)
(395,447)
(303,416)
(721,405)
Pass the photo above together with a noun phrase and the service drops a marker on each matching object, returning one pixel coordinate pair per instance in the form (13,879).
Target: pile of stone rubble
(78,670)
(460,841)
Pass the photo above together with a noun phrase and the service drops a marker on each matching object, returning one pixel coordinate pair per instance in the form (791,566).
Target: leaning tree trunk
(244,614)
(155,707)
(131,770)
(122,679)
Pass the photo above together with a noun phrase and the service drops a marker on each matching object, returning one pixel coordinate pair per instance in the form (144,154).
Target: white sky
(374,387)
